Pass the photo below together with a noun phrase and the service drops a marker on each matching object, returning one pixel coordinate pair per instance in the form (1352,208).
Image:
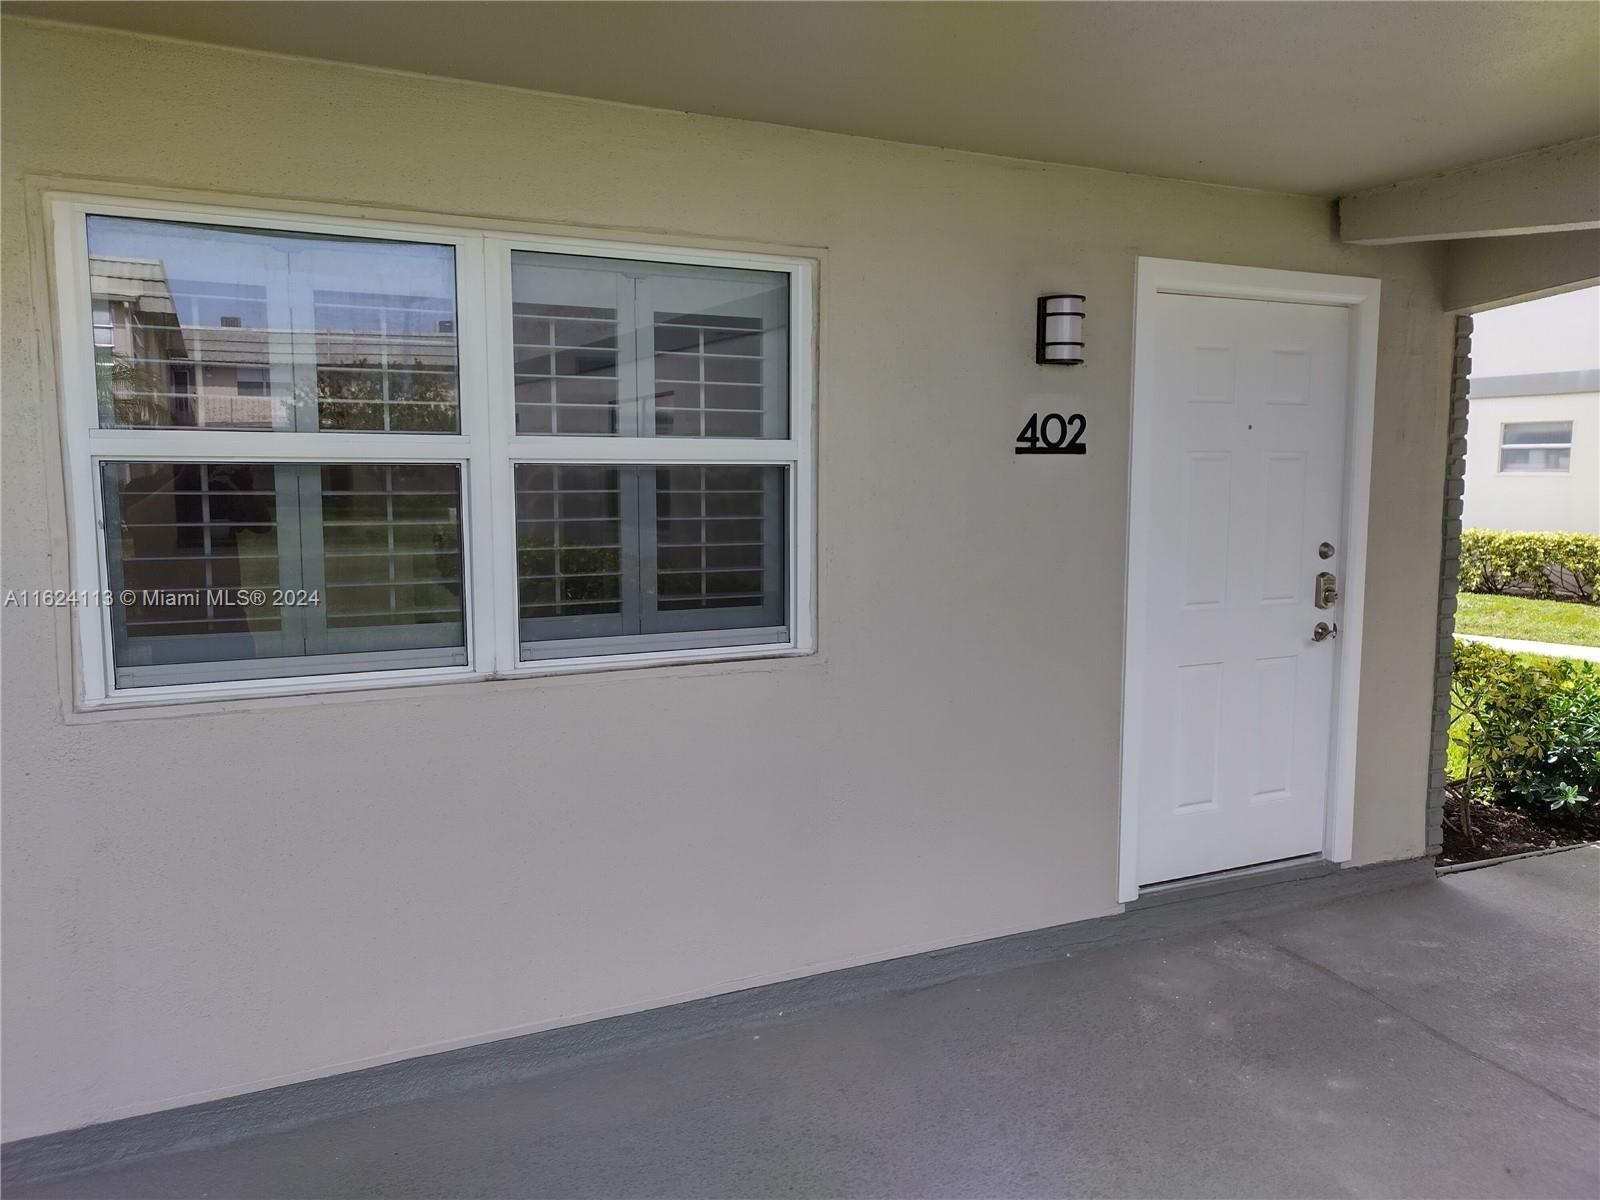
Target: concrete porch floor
(1439,1040)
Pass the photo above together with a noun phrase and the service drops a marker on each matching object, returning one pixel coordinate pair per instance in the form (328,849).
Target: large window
(619,556)
(1536,447)
(309,453)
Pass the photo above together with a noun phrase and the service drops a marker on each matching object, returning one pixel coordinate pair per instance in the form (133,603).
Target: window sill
(246,695)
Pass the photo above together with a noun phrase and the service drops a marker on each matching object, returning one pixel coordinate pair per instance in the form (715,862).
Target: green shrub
(1529,727)
(1549,566)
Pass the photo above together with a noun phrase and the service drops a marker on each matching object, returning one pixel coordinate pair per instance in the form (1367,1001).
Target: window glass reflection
(604,347)
(218,328)
(613,558)
(219,568)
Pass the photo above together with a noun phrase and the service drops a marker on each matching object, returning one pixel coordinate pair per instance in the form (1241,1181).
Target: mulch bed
(1498,831)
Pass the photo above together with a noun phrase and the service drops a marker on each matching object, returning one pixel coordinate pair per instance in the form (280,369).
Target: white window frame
(485,449)
(1500,450)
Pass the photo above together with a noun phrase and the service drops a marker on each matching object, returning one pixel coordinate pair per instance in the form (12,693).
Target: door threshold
(1237,879)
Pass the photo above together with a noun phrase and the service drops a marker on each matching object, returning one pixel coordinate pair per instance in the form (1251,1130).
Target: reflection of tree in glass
(439,600)
(392,544)
(130,394)
(419,398)
(588,575)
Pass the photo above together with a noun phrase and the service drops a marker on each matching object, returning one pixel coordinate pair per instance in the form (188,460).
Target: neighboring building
(1533,452)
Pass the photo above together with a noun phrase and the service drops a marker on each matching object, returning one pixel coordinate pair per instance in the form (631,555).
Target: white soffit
(1319,98)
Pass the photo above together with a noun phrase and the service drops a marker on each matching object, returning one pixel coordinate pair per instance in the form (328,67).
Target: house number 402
(1052,434)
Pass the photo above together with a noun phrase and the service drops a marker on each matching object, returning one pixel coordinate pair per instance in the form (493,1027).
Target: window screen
(619,558)
(247,570)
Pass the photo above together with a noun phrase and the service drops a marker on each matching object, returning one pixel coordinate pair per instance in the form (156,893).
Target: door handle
(1323,631)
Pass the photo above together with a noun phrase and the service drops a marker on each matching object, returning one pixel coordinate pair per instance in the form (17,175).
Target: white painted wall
(1555,333)
(212,900)
(1512,500)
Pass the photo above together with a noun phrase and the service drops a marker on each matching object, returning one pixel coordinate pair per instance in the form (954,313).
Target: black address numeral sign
(1053,434)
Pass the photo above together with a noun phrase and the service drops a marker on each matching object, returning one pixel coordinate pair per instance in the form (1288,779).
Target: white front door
(1244,481)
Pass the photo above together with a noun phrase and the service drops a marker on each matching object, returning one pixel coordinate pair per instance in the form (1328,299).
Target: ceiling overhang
(1314,98)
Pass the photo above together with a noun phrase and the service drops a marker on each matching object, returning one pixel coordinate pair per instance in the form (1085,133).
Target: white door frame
(1166,275)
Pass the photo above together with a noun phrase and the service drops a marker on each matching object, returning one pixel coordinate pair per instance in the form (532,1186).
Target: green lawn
(1530,620)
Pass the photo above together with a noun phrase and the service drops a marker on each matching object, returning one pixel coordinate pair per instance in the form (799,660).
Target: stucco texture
(203,902)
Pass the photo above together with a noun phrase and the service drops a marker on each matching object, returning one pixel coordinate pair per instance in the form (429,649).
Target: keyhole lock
(1325,550)
(1323,631)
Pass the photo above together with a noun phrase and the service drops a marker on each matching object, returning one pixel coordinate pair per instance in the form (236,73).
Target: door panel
(1246,479)
(1207,484)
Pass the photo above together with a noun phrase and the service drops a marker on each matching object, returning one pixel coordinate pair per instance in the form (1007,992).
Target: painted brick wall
(1449,572)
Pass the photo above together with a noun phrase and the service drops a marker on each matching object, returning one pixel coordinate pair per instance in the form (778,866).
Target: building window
(1536,447)
(299,460)
(616,556)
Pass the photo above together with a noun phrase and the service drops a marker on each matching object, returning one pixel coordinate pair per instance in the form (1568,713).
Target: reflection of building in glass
(217,355)
(189,536)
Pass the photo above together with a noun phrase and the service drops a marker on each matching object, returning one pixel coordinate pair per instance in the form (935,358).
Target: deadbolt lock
(1327,590)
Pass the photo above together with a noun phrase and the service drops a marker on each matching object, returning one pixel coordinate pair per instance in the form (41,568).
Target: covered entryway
(447,863)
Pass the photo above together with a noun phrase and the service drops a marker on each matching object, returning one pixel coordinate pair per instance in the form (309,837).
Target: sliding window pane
(248,570)
(718,546)
(604,347)
(204,326)
(1536,433)
(1534,460)
(719,366)
(194,549)
(570,550)
(615,560)
(391,556)
(569,319)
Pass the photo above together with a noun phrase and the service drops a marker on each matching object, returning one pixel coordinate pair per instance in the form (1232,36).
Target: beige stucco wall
(207,902)
(1568,502)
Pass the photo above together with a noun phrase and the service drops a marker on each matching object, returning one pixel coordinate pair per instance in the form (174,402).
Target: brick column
(1449,576)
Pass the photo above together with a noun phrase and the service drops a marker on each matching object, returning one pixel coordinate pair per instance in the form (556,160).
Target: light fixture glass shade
(1058,340)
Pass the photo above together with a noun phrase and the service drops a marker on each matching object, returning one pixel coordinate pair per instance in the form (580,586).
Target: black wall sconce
(1058,340)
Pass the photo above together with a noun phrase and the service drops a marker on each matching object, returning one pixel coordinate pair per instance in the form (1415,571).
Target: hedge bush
(1549,566)
(1529,727)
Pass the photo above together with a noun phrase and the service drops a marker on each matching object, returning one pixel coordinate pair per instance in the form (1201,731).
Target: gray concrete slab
(1495,959)
(1317,1053)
